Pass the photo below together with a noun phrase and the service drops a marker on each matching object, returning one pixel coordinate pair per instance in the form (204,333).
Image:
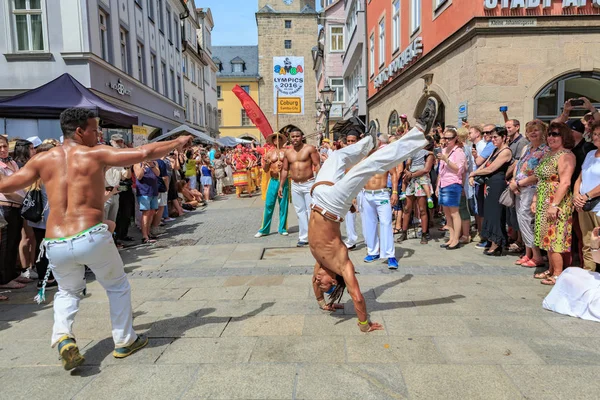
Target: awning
(229,141)
(182,130)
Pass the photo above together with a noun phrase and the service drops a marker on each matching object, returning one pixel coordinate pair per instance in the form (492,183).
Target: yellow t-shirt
(190,168)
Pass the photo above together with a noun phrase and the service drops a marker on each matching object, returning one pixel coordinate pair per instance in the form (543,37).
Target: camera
(576,102)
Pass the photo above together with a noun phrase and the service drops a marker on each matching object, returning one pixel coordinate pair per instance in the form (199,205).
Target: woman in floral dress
(553,203)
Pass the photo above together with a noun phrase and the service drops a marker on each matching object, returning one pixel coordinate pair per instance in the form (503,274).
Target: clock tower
(287,28)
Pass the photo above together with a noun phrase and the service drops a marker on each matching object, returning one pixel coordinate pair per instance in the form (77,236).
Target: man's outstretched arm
(152,151)
(21,179)
(360,305)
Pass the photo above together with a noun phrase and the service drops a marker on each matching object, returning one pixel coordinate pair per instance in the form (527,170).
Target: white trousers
(376,212)
(97,250)
(111,208)
(337,199)
(351,236)
(301,200)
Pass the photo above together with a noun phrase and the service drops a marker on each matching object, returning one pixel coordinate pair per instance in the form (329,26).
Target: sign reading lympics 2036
(288,85)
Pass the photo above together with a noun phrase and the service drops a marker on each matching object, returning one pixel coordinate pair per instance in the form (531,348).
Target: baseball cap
(116,136)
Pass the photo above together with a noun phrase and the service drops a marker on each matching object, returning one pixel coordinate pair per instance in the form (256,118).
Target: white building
(206,25)
(132,44)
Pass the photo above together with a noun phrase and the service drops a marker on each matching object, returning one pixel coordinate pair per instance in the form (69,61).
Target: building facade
(328,62)
(236,65)
(475,56)
(206,25)
(287,29)
(355,60)
(128,52)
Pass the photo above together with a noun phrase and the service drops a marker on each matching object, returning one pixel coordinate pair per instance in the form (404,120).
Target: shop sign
(140,135)
(512,4)
(119,87)
(288,85)
(406,57)
(511,22)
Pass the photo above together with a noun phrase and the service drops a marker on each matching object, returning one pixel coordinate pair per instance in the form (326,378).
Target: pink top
(18,196)
(448,177)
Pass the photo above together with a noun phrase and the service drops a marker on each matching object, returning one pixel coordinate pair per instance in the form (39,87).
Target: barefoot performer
(302,163)
(332,197)
(272,164)
(75,233)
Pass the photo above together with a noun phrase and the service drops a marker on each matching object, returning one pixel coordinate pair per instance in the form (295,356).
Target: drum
(240,178)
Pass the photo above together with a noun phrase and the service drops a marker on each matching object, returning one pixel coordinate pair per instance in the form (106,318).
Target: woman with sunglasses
(494,213)
(449,184)
(553,202)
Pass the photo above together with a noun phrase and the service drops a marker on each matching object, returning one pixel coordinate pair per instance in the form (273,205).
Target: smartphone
(437,151)
(576,102)
(464,119)
(504,109)
(474,146)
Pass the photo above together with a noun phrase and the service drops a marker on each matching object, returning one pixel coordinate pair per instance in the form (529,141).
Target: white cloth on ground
(337,199)
(301,200)
(69,257)
(576,293)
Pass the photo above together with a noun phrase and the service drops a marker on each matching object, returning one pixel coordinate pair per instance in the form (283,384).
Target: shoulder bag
(33,204)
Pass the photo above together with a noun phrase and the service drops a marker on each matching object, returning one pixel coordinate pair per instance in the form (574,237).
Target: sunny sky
(235,24)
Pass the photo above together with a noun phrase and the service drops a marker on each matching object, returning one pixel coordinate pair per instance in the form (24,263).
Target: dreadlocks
(338,292)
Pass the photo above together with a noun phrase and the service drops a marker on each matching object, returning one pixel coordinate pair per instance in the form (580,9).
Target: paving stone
(207,282)
(368,381)
(486,350)
(509,326)
(167,309)
(260,325)
(275,293)
(392,349)
(566,351)
(458,382)
(412,326)
(99,352)
(140,295)
(297,349)
(564,382)
(208,350)
(243,381)
(336,325)
(31,352)
(52,382)
(139,382)
(195,326)
(572,327)
(215,293)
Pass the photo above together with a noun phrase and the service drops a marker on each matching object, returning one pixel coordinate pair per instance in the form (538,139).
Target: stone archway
(442,101)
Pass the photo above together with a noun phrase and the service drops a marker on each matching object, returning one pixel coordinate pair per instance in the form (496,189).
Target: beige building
(530,63)
(287,28)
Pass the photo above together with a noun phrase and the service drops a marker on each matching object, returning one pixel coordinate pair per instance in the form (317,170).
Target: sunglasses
(487,132)
(554,134)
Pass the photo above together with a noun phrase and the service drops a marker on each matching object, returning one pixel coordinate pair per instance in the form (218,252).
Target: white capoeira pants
(351,236)
(301,200)
(337,199)
(376,212)
(69,256)
(576,293)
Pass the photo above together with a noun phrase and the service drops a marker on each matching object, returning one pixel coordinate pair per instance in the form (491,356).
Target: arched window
(549,102)
(393,122)
(373,128)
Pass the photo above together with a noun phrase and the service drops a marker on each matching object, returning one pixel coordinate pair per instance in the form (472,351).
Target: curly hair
(22,152)
(73,118)
(568,141)
(338,292)
(541,125)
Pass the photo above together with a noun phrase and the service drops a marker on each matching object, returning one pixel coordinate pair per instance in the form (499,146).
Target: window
(288,24)
(337,84)
(220,117)
(151,9)
(185,66)
(199,77)
(163,77)
(287,44)
(200,114)
(123,40)
(178,89)
(176,33)
(193,72)
(140,63)
(415,16)
(245,88)
(28,25)
(372,54)
(209,116)
(550,100)
(393,122)
(336,38)
(104,48)
(173,90)
(382,42)
(169,26)
(161,17)
(353,82)
(245,119)
(194,111)
(219,94)
(237,67)
(396,26)
(187,107)
(153,72)
(188,31)
(438,4)
(352,20)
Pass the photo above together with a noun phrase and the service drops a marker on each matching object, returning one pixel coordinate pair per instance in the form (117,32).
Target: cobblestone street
(234,317)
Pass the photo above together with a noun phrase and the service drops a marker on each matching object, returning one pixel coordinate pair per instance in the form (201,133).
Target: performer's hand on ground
(373,326)
(333,307)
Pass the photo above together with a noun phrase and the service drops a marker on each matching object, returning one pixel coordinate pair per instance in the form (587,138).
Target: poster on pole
(288,85)
(140,136)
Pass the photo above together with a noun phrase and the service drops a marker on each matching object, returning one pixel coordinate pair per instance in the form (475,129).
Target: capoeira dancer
(375,208)
(272,165)
(302,163)
(351,235)
(332,197)
(76,235)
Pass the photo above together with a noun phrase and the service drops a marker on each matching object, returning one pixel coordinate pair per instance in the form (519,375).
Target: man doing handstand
(332,197)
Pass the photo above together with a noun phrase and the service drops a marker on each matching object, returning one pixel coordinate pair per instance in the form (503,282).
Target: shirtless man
(272,165)
(332,197)
(376,207)
(302,163)
(75,235)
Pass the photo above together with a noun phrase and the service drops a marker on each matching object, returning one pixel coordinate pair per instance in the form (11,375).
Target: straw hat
(271,138)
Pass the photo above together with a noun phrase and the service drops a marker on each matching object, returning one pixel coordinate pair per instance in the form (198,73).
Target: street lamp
(327,93)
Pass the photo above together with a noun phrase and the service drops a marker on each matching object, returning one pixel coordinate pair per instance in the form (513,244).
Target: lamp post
(327,93)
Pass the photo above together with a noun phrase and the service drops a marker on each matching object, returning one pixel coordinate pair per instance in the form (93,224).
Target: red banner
(253,111)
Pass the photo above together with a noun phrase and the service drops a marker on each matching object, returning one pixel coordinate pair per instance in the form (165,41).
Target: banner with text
(288,85)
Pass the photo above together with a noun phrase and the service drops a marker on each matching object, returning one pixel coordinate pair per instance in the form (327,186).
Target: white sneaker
(29,273)
(284,233)
(258,235)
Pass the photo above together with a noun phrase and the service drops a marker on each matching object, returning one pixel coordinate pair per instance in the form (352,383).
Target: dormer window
(238,65)
(218,63)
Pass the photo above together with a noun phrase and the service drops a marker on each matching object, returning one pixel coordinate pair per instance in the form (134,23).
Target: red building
(477,55)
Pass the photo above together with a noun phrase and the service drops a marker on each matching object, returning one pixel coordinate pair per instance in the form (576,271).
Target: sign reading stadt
(288,85)
(406,57)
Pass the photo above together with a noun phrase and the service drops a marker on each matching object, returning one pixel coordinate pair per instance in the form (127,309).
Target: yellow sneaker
(69,353)
(123,352)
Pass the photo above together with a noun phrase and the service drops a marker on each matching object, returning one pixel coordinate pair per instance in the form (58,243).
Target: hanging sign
(288,85)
